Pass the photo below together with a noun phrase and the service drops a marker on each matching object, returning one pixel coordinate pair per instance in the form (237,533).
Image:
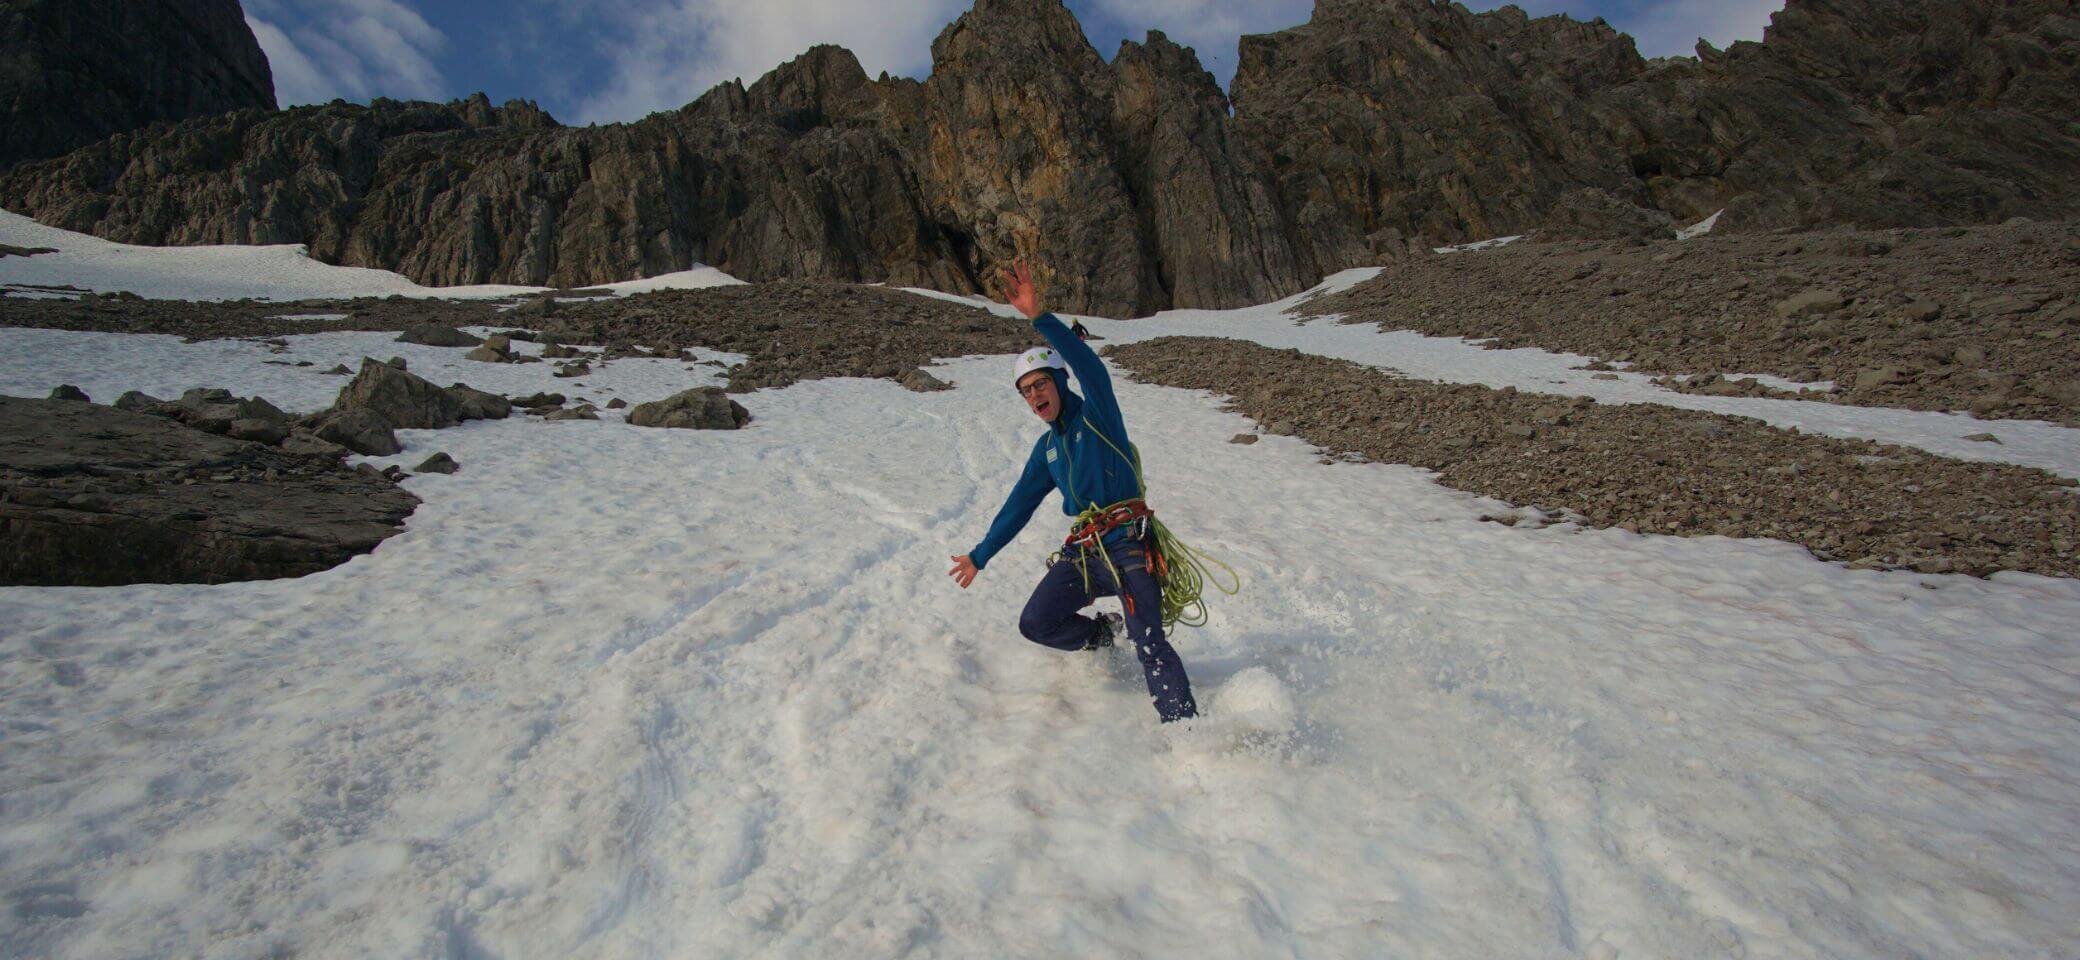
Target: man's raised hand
(963,571)
(1018,289)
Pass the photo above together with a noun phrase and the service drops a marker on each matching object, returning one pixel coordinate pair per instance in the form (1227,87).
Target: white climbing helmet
(1038,358)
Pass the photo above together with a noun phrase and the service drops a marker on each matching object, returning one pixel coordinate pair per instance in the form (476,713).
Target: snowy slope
(630,693)
(284,272)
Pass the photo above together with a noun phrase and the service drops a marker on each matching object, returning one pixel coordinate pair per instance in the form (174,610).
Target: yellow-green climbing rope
(1186,570)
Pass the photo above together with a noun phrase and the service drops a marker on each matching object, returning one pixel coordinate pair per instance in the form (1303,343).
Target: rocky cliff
(74,71)
(1376,129)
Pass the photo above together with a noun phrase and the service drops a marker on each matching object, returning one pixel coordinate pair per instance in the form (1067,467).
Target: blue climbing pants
(1051,617)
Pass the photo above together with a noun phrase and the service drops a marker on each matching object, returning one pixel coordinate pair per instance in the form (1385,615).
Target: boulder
(361,431)
(921,382)
(400,399)
(583,411)
(538,400)
(438,335)
(534,308)
(486,354)
(303,441)
(215,410)
(438,463)
(137,402)
(69,392)
(479,405)
(1874,377)
(1810,303)
(270,432)
(702,408)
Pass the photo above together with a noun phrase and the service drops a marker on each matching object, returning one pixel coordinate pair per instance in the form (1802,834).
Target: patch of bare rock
(199,320)
(1982,319)
(791,331)
(1648,468)
(93,495)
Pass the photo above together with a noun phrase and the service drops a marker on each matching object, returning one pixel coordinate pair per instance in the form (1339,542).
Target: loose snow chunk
(1488,244)
(1700,228)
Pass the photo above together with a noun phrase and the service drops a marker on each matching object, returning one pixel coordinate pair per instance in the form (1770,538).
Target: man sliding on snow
(1084,455)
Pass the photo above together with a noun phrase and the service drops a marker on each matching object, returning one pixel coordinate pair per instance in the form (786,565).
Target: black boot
(1110,626)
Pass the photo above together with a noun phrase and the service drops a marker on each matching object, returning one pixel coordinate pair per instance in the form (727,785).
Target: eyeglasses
(1033,389)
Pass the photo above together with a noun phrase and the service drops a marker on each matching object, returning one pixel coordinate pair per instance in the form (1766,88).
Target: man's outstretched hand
(963,571)
(1018,289)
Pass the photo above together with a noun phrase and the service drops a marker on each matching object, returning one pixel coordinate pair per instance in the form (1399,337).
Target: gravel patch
(791,331)
(1984,319)
(1644,467)
(129,313)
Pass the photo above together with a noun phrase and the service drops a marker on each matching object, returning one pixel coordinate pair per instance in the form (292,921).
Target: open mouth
(1042,407)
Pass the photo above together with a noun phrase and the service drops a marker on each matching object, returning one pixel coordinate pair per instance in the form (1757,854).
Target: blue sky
(609,60)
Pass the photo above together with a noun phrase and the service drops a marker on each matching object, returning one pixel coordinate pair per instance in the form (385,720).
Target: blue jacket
(1069,457)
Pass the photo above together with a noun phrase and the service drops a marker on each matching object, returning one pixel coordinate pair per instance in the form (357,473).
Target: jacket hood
(1072,405)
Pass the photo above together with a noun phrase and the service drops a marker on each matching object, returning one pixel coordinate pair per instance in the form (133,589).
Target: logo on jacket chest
(1050,454)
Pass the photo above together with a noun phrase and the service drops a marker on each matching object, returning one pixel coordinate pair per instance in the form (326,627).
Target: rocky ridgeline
(72,72)
(1648,468)
(1985,320)
(1377,128)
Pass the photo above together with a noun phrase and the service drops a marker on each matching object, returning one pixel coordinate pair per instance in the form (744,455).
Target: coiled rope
(1182,569)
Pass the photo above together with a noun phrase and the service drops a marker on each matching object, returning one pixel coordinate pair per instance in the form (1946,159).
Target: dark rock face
(96,496)
(1426,119)
(1209,208)
(1377,129)
(75,71)
(1434,121)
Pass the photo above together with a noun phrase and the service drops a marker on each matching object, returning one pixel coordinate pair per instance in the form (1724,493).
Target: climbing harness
(1179,567)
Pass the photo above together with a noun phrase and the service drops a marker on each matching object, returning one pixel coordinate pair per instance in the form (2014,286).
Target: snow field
(282,272)
(620,692)
(628,693)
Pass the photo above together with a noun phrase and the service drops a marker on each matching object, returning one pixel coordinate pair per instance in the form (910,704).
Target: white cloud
(296,79)
(665,53)
(350,49)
